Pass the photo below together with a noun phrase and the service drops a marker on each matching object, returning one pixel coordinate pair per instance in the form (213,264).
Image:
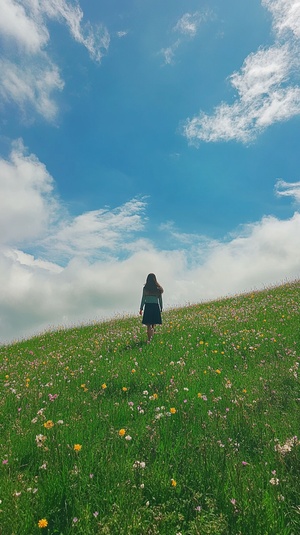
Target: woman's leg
(150,332)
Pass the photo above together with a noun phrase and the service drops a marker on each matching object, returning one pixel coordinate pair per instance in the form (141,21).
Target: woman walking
(152,301)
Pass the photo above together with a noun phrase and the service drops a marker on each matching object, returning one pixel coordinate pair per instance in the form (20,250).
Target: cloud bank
(61,270)
(267,85)
(29,78)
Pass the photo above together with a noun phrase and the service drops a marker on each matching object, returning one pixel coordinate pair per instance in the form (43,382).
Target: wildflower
(173,410)
(274,481)
(40,439)
(155,396)
(77,447)
(218,371)
(122,432)
(199,395)
(133,370)
(173,482)
(104,386)
(124,388)
(96,513)
(244,463)
(5,461)
(128,438)
(48,424)
(43,523)
(287,447)
(139,464)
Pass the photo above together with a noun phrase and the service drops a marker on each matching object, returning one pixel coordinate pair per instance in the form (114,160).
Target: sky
(141,136)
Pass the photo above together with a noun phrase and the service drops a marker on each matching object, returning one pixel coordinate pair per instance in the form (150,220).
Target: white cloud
(27,203)
(189,23)
(15,24)
(28,76)
(266,88)
(98,232)
(288,189)
(122,33)
(286,15)
(169,53)
(187,27)
(31,86)
(94,37)
(108,258)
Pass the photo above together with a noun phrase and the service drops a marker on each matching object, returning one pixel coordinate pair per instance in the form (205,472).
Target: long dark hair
(152,287)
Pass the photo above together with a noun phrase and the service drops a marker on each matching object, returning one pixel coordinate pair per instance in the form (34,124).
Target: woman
(152,300)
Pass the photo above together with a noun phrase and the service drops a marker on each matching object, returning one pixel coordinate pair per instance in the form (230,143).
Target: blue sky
(145,136)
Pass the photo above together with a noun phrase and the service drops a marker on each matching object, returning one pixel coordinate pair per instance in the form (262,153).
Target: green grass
(210,410)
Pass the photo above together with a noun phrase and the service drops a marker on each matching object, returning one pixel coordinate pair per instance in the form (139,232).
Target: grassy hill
(197,432)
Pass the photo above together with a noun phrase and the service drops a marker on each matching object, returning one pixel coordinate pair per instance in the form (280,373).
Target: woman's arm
(142,302)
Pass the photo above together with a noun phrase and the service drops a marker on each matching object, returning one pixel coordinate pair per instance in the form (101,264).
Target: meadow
(195,433)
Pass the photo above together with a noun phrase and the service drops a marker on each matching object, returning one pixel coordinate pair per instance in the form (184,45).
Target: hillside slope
(196,432)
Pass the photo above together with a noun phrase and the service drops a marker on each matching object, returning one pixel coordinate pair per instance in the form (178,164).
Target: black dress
(152,310)
(152,314)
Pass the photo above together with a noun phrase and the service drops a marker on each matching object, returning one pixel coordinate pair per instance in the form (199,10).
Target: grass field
(197,432)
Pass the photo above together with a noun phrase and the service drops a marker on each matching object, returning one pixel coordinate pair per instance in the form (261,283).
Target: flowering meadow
(196,432)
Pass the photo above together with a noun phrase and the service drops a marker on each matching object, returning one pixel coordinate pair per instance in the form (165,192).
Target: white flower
(274,481)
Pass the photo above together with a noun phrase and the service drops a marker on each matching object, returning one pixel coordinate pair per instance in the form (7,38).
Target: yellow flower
(43,523)
(244,390)
(199,395)
(218,371)
(124,388)
(77,447)
(155,396)
(173,410)
(48,424)
(122,432)
(133,370)
(173,482)
(104,386)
